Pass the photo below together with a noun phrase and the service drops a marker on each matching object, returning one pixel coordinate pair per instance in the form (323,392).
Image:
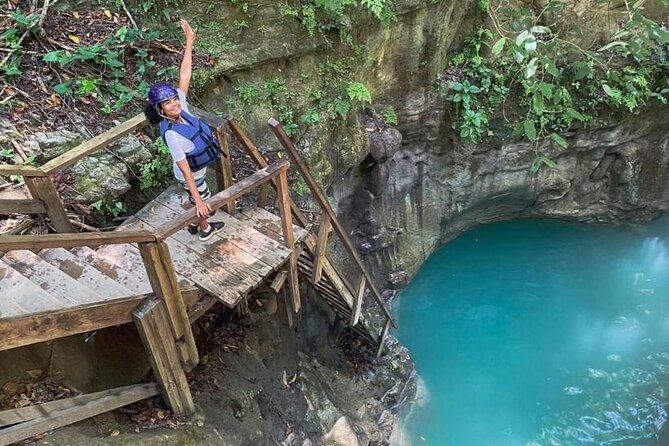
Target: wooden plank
(85,274)
(33,328)
(269,224)
(287,227)
(85,406)
(284,308)
(321,246)
(197,309)
(50,279)
(357,305)
(18,292)
(224,197)
(382,337)
(161,275)
(46,192)
(28,413)
(90,239)
(215,277)
(154,329)
(218,250)
(25,171)
(279,280)
(21,207)
(224,167)
(325,205)
(133,279)
(92,145)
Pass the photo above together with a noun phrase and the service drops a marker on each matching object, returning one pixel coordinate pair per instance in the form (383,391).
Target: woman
(191,142)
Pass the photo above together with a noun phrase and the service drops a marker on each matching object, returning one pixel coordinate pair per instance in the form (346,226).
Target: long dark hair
(152,114)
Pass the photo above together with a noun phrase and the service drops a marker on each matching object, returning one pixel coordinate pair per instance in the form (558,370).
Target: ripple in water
(541,334)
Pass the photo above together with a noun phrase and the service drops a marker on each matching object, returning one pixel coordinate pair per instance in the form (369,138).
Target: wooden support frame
(357,304)
(289,238)
(43,189)
(33,420)
(22,207)
(382,338)
(162,276)
(224,167)
(153,325)
(321,247)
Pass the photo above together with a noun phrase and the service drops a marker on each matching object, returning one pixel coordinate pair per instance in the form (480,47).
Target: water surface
(541,333)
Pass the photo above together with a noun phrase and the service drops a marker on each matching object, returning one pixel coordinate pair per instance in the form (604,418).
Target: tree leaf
(498,46)
(540,30)
(538,103)
(574,114)
(74,38)
(608,90)
(522,37)
(581,70)
(559,140)
(546,90)
(551,68)
(531,68)
(530,131)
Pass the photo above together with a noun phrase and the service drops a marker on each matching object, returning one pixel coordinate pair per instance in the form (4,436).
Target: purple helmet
(161,92)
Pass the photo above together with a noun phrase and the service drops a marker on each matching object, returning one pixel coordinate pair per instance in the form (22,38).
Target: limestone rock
(99,177)
(341,434)
(56,143)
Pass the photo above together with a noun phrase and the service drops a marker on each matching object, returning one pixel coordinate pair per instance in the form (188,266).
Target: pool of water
(529,333)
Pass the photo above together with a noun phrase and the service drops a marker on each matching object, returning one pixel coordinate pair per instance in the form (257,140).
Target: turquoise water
(531,333)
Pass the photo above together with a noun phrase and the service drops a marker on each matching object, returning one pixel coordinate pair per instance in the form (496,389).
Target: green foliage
(106,210)
(357,92)
(543,85)
(389,115)
(300,187)
(6,153)
(157,172)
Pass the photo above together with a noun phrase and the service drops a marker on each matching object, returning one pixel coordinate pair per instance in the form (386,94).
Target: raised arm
(187,62)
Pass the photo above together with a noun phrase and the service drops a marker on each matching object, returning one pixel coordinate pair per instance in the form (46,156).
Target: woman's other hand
(188,31)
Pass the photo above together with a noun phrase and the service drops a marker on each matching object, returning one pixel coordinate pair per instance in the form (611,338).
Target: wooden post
(43,189)
(263,196)
(154,328)
(224,167)
(357,304)
(284,308)
(382,338)
(162,276)
(289,238)
(321,245)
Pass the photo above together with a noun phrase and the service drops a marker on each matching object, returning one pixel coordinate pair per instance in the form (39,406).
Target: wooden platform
(57,292)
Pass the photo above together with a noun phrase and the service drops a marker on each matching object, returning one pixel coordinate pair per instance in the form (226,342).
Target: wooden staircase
(153,273)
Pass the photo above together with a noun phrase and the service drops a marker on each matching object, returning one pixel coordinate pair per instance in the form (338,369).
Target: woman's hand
(203,209)
(188,32)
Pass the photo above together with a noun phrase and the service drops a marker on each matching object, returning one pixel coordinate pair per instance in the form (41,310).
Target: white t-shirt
(180,145)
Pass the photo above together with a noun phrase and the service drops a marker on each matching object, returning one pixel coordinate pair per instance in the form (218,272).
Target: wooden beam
(154,329)
(40,327)
(84,406)
(289,239)
(284,308)
(224,167)
(279,280)
(224,197)
(92,145)
(321,247)
(162,276)
(25,171)
(90,239)
(21,207)
(357,305)
(28,413)
(44,190)
(382,338)
(325,205)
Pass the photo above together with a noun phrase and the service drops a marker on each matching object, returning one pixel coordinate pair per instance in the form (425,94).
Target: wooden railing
(329,221)
(45,198)
(168,314)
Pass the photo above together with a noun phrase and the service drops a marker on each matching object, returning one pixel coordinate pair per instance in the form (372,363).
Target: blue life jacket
(206,149)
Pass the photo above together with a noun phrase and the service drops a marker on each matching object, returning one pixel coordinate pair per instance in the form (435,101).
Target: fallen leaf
(293,379)
(108,13)
(53,101)
(85,100)
(34,373)
(75,14)
(114,433)
(74,38)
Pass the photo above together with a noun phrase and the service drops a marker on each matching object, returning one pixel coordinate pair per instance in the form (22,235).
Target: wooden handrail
(323,202)
(224,197)
(87,147)
(70,240)
(25,171)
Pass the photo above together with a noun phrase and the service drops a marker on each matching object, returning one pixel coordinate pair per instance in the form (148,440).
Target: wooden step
(85,274)
(51,279)
(134,279)
(20,296)
(269,224)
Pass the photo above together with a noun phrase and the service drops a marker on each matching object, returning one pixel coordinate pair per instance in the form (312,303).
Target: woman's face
(171,108)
